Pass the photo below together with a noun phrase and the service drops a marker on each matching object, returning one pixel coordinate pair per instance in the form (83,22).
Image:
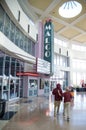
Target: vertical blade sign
(49,43)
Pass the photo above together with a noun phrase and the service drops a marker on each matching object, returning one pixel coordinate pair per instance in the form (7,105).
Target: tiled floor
(37,114)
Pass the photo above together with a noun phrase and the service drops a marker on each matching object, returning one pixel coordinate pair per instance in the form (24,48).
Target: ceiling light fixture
(70,9)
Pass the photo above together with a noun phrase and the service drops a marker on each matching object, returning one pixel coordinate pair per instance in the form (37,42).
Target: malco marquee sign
(48,42)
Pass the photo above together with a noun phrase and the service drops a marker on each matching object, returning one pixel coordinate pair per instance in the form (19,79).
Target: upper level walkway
(37,114)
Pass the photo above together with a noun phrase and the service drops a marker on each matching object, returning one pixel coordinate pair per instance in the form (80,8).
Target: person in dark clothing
(67,100)
(57,92)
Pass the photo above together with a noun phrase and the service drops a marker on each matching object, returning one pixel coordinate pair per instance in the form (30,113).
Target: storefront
(9,88)
(44,88)
(35,86)
(37,83)
(30,86)
(10,83)
(43,67)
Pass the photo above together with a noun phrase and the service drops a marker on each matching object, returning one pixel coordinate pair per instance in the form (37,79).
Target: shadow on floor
(8,115)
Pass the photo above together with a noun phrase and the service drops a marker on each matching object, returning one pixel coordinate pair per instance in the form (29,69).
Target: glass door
(33,87)
(14,88)
(5,88)
(17,87)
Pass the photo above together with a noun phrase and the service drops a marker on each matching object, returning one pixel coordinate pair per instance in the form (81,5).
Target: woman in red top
(67,100)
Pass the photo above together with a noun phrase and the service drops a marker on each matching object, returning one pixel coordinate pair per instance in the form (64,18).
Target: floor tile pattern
(37,114)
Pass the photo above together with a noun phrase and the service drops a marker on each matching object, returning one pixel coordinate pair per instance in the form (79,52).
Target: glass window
(7,66)
(55,58)
(55,40)
(29,46)
(79,69)
(21,67)
(1,65)
(74,64)
(7,26)
(1,81)
(78,78)
(21,40)
(61,63)
(65,44)
(64,61)
(68,62)
(7,58)
(33,83)
(12,88)
(78,47)
(26,44)
(58,60)
(12,71)
(12,32)
(33,48)
(17,36)
(78,64)
(17,66)
(1,19)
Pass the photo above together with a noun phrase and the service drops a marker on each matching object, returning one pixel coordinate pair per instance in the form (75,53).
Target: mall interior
(42,43)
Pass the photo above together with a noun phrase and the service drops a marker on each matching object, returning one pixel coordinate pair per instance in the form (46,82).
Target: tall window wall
(61,60)
(79,48)
(14,34)
(60,42)
(79,72)
(61,75)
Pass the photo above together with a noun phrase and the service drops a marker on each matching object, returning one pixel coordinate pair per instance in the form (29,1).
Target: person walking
(57,92)
(67,100)
(72,93)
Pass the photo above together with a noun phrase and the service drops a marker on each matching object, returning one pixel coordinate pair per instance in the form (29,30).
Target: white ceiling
(73,30)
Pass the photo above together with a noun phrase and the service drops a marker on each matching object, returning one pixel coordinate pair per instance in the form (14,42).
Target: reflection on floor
(38,115)
(8,115)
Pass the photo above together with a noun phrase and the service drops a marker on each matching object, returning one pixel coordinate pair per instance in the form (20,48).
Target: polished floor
(37,114)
